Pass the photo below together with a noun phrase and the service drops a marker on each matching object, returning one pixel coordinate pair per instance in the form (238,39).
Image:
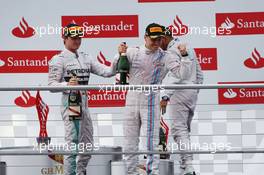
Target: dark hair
(168,31)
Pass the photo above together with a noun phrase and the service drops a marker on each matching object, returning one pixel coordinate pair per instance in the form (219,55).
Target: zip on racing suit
(142,108)
(182,104)
(77,131)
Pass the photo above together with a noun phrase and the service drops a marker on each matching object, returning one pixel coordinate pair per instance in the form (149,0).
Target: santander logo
(256,61)
(241,95)
(113,98)
(23,30)
(230,93)
(25,100)
(25,61)
(227,24)
(178,28)
(101,58)
(207,57)
(247,23)
(108,26)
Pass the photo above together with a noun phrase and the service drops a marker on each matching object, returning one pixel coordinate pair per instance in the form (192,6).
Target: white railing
(5,151)
(129,87)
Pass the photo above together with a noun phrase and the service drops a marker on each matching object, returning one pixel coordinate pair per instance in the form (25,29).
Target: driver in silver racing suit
(61,68)
(182,101)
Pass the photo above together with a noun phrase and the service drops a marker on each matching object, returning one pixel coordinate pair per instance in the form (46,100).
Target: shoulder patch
(56,58)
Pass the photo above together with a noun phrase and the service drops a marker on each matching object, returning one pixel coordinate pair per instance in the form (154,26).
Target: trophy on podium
(43,111)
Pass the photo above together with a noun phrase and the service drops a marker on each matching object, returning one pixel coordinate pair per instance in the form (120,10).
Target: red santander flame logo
(256,61)
(2,63)
(25,100)
(23,30)
(227,24)
(178,28)
(229,93)
(101,58)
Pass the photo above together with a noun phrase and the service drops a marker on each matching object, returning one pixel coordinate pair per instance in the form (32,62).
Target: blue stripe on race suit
(151,118)
(149,165)
(148,126)
(153,109)
(75,141)
(77,128)
(152,131)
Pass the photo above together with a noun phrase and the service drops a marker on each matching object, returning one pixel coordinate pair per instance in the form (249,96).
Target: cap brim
(155,36)
(76,36)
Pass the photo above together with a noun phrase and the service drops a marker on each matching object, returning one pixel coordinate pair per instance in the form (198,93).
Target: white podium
(119,167)
(45,165)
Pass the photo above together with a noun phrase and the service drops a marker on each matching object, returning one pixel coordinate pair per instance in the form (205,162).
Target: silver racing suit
(142,107)
(182,104)
(61,67)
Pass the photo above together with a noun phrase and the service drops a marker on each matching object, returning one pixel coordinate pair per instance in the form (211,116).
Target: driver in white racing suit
(148,66)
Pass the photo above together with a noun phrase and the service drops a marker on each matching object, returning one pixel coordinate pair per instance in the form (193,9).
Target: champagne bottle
(163,144)
(75,104)
(163,136)
(123,67)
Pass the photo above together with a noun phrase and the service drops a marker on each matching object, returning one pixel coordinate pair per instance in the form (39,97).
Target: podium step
(119,167)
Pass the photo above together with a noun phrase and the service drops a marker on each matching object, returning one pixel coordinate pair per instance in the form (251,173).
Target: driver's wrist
(165,98)
(184,54)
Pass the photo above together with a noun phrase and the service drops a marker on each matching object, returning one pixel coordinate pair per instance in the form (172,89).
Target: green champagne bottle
(75,105)
(123,68)
(163,144)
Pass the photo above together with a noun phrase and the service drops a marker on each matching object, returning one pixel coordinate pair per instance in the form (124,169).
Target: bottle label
(73,98)
(74,110)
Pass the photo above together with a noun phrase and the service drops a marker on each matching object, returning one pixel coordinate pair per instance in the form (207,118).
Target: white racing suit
(182,104)
(77,132)
(142,108)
